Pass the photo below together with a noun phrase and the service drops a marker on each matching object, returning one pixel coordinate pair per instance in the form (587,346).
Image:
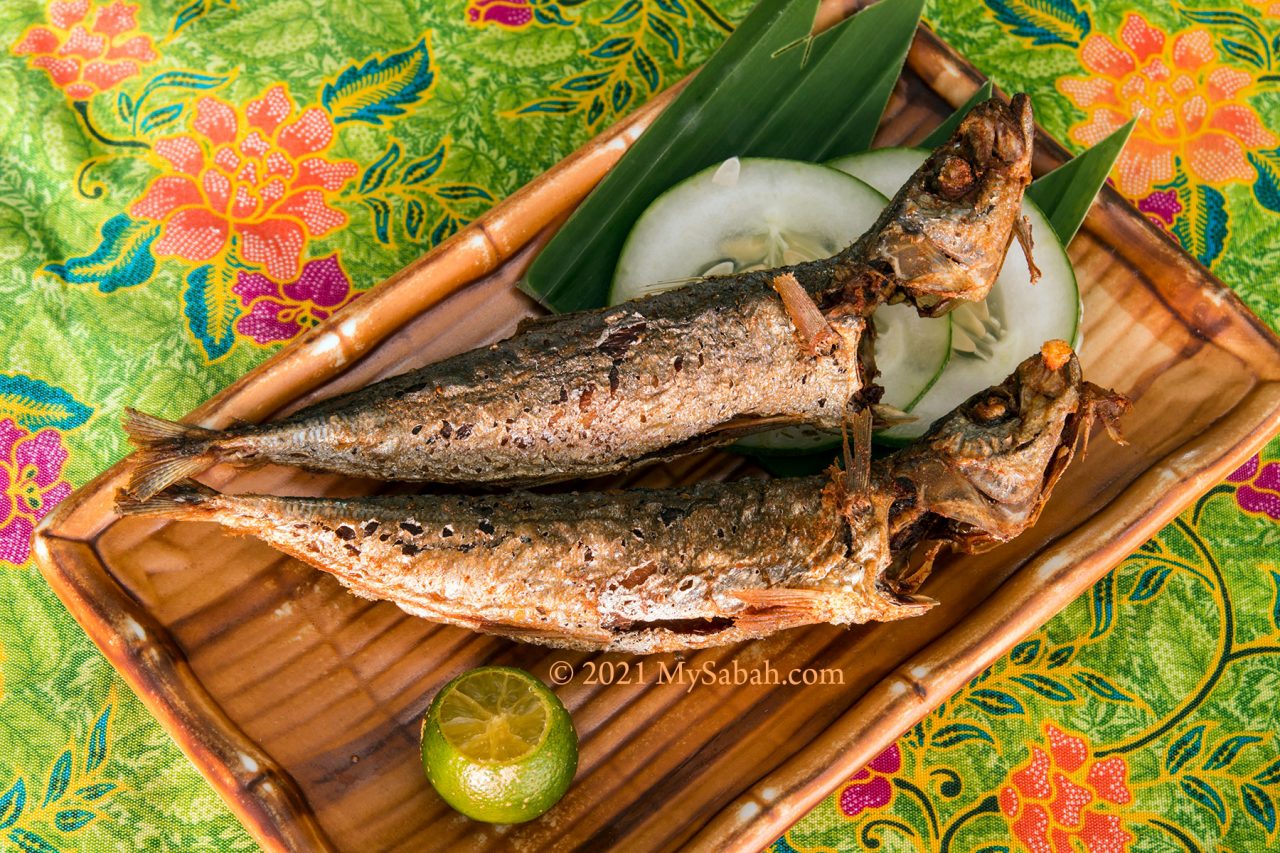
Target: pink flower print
(279,312)
(1258,489)
(870,788)
(30,485)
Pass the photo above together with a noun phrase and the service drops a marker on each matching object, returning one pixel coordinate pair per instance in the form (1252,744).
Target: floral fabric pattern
(185,187)
(1122,724)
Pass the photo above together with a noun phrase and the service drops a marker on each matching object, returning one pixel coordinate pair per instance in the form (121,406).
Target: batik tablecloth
(185,186)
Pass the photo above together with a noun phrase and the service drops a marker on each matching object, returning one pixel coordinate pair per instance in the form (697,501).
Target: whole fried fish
(664,570)
(594,392)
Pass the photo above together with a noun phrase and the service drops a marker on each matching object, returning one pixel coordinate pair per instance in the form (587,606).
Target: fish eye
(991,409)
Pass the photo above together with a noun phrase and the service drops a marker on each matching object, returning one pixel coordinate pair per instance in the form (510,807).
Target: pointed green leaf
(1228,750)
(943,132)
(1066,194)
(1184,749)
(1049,688)
(98,741)
(995,702)
(1101,686)
(12,803)
(59,778)
(752,98)
(957,733)
(1025,652)
(1200,791)
(69,820)
(1104,593)
(1259,805)
(30,842)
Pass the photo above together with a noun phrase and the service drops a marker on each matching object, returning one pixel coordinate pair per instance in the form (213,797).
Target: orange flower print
(86,54)
(258,175)
(1188,106)
(1048,800)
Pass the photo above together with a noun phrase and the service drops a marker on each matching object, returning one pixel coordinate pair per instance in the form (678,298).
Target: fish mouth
(997,135)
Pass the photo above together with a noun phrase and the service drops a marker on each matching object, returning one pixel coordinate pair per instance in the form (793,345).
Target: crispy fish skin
(664,570)
(595,392)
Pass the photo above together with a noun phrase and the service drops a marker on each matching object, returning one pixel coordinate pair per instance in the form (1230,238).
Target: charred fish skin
(596,392)
(678,569)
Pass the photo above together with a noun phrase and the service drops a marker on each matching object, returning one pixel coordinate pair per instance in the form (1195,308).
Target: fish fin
(156,469)
(146,431)
(171,451)
(782,598)
(532,633)
(1022,230)
(184,500)
(804,313)
(778,608)
(857,465)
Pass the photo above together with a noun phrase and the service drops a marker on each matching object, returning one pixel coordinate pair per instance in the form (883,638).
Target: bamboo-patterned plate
(301,703)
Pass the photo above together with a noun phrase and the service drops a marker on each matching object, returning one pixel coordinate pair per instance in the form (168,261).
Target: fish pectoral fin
(1022,230)
(805,314)
(543,634)
(772,610)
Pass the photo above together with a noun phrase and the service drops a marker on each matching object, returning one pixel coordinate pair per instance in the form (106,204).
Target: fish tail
(170,451)
(187,500)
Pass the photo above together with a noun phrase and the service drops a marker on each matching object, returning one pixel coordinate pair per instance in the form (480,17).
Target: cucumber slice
(760,213)
(990,338)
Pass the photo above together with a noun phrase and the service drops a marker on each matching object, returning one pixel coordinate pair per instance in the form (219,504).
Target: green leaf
(957,733)
(647,68)
(420,170)
(752,98)
(1270,774)
(667,33)
(1202,226)
(1184,749)
(1200,791)
(1049,688)
(1025,652)
(12,803)
(376,174)
(1259,805)
(382,87)
(1066,194)
(95,791)
(1266,189)
(1043,21)
(59,778)
(623,13)
(1150,582)
(1102,687)
(613,48)
(69,820)
(943,132)
(211,308)
(34,405)
(995,702)
(98,741)
(1103,596)
(122,259)
(459,192)
(1228,750)
(1061,656)
(30,842)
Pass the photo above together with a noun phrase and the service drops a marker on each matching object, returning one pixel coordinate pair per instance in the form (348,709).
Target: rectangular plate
(301,703)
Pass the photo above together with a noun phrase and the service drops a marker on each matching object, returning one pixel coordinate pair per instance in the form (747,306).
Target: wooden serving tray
(301,704)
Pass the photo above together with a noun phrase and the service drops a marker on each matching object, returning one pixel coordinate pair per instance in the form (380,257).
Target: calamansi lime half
(498,745)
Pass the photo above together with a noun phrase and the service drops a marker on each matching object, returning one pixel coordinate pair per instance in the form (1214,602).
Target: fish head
(987,468)
(945,235)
